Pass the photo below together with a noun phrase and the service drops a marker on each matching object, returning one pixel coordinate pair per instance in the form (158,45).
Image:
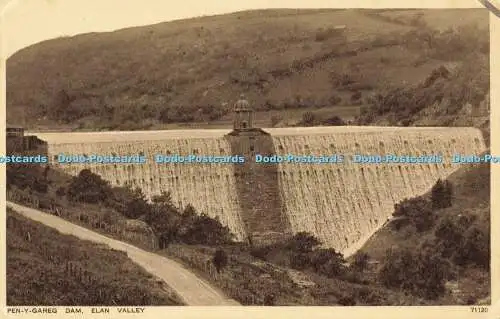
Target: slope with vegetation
(47,268)
(452,249)
(448,230)
(287,62)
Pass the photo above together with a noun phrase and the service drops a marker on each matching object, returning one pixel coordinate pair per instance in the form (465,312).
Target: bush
(421,274)
(418,210)
(441,194)
(183,226)
(137,206)
(27,176)
(220,260)
(61,191)
(88,187)
(204,230)
(302,242)
(360,261)
(474,248)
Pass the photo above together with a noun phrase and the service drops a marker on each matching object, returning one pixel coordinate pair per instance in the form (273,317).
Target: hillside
(329,62)
(90,202)
(458,234)
(47,268)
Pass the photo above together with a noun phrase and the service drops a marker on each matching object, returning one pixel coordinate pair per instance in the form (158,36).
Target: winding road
(191,289)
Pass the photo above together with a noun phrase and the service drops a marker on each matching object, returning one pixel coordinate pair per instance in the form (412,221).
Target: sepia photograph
(255,157)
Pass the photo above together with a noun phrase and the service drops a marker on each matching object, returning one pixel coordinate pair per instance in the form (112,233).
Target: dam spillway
(340,203)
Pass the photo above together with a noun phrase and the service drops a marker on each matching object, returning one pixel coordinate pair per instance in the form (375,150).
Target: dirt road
(193,290)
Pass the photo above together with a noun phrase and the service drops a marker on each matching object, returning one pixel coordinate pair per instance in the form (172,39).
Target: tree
(394,271)
(474,248)
(137,205)
(327,261)
(89,188)
(421,274)
(220,260)
(203,229)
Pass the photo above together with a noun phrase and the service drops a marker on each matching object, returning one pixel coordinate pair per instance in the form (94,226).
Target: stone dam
(342,204)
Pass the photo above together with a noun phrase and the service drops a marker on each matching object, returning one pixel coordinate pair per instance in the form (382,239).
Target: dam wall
(209,187)
(340,203)
(343,204)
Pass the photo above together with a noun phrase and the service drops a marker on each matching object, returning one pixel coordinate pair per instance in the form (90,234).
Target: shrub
(474,248)
(360,261)
(26,176)
(204,230)
(441,194)
(421,274)
(61,191)
(302,242)
(89,188)
(184,226)
(220,260)
(299,261)
(418,210)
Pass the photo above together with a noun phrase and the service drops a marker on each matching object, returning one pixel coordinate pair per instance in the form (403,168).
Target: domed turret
(243,114)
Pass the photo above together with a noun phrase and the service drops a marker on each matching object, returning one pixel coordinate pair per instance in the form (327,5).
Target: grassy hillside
(45,267)
(458,235)
(191,71)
